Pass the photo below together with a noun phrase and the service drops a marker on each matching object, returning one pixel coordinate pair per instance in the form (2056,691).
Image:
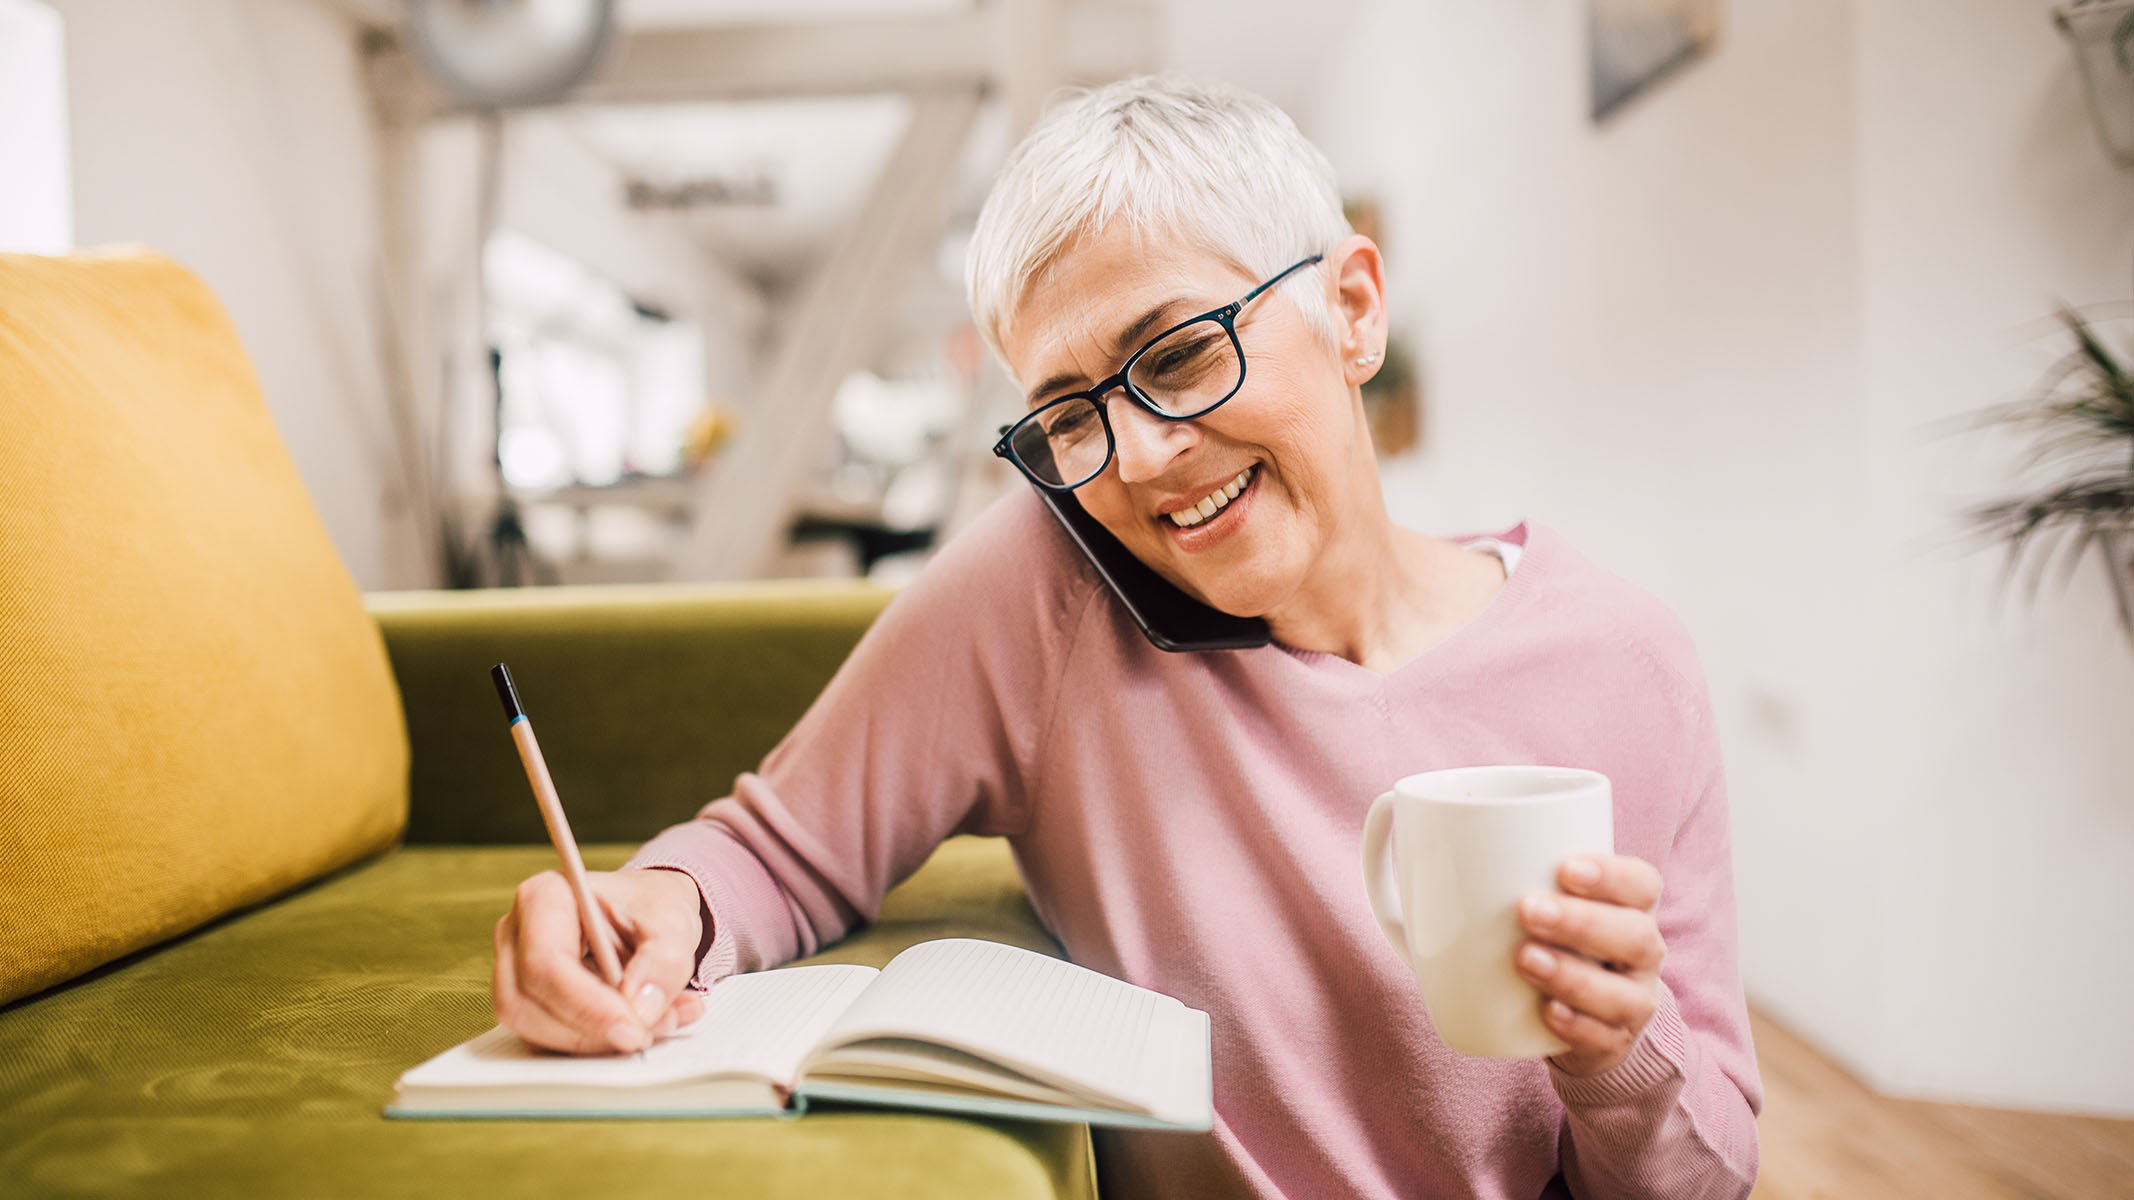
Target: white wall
(2006,770)
(233,135)
(1701,341)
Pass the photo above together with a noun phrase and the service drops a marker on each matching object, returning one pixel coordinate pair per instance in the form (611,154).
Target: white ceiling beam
(989,47)
(825,58)
(368,14)
(1015,49)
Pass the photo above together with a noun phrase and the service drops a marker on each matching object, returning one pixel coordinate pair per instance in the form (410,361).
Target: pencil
(598,933)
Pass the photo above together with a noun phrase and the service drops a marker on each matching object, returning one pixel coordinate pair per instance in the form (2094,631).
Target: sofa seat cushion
(252,1057)
(195,710)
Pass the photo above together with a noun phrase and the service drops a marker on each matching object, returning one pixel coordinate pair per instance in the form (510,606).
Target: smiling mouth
(1214,502)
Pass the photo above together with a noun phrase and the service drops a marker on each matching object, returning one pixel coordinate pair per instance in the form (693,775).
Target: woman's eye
(1071,422)
(1182,359)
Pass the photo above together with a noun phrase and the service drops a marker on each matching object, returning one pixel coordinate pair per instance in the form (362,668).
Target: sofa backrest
(195,710)
(650,698)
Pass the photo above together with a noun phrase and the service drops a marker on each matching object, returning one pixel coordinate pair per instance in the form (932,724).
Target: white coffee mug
(1446,857)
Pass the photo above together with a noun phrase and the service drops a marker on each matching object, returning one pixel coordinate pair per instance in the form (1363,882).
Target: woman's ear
(1358,273)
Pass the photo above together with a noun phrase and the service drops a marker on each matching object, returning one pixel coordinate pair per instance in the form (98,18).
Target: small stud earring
(1365,360)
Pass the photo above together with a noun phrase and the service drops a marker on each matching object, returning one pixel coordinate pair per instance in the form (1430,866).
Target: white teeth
(1186,518)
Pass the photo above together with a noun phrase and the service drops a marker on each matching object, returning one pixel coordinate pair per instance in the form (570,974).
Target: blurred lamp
(2101,33)
(504,53)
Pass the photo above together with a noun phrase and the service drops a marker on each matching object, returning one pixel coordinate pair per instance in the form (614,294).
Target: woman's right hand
(546,988)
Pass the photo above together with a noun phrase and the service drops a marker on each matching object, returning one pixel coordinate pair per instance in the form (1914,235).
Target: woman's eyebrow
(1124,343)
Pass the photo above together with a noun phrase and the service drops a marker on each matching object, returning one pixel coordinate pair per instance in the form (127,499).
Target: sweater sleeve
(927,730)
(1677,1117)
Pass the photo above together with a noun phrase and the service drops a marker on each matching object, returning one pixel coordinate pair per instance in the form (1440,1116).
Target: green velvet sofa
(256,828)
(251,1057)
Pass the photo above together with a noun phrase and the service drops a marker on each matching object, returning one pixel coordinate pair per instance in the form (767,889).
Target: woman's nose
(1143,443)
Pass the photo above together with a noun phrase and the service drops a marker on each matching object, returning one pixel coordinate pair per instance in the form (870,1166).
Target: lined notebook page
(766,1022)
(761,1025)
(1053,1020)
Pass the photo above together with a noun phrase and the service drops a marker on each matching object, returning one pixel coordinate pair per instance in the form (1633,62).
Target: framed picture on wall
(1637,43)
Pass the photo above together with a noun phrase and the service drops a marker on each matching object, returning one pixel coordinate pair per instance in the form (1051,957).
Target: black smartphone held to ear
(1171,619)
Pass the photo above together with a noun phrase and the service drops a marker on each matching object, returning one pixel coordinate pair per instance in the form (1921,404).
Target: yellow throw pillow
(195,711)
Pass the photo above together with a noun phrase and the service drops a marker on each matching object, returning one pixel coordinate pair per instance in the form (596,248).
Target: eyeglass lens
(1191,370)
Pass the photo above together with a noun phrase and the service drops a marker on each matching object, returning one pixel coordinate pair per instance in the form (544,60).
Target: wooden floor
(1826,1137)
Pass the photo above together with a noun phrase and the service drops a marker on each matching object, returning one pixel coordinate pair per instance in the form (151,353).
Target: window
(595,388)
(36,213)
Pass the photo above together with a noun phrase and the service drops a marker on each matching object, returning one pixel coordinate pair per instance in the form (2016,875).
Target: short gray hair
(1219,167)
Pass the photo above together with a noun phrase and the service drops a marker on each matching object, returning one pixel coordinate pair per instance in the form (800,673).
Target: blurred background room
(1727,291)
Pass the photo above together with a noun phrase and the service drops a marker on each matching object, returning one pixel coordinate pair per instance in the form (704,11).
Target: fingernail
(651,1002)
(1582,871)
(1537,960)
(1559,1012)
(625,1036)
(1542,910)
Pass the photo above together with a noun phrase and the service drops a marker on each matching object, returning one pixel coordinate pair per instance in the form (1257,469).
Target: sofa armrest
(649,698)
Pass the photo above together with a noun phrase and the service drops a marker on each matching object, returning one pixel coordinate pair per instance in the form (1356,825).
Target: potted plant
(2081,422)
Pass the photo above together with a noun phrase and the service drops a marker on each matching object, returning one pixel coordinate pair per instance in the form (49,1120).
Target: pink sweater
(1192,822)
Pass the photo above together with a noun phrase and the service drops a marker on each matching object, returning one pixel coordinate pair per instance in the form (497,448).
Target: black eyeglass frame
(1226,316)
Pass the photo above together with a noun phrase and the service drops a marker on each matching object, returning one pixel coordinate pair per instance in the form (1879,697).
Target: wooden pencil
(599,934)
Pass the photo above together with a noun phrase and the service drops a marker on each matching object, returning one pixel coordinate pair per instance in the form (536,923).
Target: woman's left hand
(1595,956)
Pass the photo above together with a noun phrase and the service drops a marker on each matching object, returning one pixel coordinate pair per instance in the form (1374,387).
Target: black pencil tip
(501,676)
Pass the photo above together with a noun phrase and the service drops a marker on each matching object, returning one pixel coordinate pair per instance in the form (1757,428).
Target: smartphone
(1171,619)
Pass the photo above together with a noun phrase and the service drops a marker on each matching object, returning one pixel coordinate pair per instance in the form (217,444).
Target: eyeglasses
(1186,371)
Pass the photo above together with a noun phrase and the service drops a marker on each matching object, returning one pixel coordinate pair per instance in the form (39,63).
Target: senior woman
(1190,821)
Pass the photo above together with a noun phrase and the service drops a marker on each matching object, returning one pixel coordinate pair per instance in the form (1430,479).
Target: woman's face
(1296,426)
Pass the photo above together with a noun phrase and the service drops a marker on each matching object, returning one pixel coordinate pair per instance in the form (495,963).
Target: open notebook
(956,1025)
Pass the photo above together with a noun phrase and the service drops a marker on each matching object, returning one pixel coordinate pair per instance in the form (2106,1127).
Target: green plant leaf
(2079,421)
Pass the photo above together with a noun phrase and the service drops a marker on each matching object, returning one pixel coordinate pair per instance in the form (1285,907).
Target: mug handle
(1378,886)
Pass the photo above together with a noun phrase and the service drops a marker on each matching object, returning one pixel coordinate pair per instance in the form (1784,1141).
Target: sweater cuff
(705,975)
(1657,1057)
(703,851)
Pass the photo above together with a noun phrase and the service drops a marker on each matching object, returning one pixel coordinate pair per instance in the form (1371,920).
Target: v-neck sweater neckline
(1473,636)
